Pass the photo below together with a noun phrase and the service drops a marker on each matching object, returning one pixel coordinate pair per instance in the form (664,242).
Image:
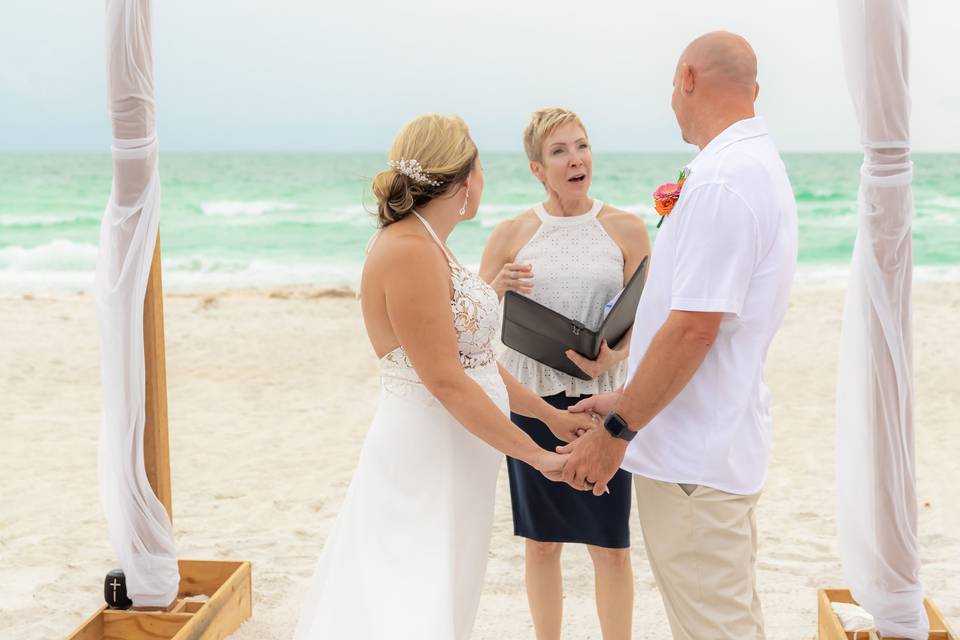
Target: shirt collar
(754,127)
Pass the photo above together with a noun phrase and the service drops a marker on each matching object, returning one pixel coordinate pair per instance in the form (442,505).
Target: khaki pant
(702,547)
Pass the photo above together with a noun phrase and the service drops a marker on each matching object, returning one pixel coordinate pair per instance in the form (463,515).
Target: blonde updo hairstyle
(446,153)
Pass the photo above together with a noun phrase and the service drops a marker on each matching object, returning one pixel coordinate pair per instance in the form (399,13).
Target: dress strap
(433,234)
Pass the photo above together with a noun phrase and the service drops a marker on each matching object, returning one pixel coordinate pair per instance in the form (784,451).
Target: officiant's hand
(594,458)
(569,426)
(600,404)
(605,360)
(514,277)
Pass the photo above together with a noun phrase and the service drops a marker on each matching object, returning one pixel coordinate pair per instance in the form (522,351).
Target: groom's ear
(686,79)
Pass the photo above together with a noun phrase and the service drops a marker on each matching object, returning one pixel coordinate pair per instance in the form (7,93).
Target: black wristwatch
(617,427)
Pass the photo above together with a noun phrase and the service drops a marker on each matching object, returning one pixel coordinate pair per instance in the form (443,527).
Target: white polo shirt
(729,245)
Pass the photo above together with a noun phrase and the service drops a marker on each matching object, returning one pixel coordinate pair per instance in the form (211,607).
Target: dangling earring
(463,209)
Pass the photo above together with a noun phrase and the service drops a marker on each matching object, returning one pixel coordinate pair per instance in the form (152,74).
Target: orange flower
(666,196)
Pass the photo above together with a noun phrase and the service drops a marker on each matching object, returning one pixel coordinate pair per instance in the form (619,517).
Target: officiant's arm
(496,265)
(527,403)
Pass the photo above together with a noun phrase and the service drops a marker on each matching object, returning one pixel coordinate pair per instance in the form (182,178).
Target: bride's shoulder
(402,249)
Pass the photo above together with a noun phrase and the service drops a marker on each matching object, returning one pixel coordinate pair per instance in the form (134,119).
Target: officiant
(573,254)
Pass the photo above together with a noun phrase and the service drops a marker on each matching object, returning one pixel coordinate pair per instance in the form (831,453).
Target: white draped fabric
(140,530)
(876,476)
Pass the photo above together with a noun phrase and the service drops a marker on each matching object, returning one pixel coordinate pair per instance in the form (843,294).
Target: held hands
(594,458)
(569,426)
(514,277)
(549,464)
(601,404)
(605,360)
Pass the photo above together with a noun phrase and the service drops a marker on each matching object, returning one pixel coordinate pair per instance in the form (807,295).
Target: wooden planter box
(830,628)
(228,586)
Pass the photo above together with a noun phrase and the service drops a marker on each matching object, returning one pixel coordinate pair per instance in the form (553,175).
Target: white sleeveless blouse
(577,269)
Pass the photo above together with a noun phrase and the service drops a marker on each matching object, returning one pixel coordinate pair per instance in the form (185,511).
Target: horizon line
(106,151)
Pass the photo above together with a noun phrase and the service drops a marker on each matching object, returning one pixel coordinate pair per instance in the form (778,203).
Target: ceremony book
(545,335)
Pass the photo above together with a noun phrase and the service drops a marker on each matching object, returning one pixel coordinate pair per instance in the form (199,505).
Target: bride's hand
(550,464)
(568,426)
(514,277)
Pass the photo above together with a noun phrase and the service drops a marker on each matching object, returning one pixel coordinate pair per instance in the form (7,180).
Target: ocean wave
(41,220)
(57,255)
(837,276)
(234,208)
(948,203)
(250,214)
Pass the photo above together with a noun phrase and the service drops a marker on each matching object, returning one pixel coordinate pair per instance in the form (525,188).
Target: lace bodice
(475,308)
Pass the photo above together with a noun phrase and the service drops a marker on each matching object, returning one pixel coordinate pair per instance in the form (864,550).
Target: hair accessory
(412,169)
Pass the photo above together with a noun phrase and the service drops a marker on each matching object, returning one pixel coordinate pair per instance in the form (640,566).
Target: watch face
(615,424)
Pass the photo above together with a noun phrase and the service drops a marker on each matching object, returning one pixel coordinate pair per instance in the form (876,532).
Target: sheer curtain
(876,484)
(140,531)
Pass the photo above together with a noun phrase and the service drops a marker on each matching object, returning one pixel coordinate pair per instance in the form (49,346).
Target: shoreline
(808,277)
(311,292)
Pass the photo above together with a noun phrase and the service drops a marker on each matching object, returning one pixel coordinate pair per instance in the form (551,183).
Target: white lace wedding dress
(408,552)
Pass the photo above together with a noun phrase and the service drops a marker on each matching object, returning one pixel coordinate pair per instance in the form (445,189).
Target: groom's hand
(594,458)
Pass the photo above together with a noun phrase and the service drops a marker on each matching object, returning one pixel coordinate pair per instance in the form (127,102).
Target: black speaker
(115,590)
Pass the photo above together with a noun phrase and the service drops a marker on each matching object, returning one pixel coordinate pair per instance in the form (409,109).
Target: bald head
(715,85)
(723,60)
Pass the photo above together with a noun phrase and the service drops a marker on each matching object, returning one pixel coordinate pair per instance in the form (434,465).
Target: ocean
(277,219)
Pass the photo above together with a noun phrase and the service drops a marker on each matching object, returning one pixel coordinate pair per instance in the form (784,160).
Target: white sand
(270,396)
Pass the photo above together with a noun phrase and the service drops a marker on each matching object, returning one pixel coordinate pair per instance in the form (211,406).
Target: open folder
(545,335)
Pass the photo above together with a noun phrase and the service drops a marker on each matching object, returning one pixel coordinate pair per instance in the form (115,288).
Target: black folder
(545,335)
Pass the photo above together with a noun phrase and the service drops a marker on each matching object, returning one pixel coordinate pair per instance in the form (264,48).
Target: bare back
(403,252)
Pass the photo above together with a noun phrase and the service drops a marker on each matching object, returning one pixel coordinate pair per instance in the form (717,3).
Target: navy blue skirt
(549,511)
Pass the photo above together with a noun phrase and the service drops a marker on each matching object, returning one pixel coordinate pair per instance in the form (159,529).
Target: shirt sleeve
(717,245)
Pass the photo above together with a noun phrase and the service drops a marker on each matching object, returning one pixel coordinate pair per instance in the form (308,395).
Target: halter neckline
(436,238)
(546,218)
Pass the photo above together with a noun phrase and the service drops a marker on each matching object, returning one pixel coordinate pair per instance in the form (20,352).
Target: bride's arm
(527,403)
(417,288)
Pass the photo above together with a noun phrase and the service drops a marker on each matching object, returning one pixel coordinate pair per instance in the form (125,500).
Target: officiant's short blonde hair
(543,122)
(431,157)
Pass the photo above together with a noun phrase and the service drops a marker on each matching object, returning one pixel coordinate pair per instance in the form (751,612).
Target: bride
(407,554)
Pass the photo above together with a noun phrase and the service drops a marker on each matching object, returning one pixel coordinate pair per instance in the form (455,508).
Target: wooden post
(156,443)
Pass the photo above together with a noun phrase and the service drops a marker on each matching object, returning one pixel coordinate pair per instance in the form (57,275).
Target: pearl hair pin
(412,169)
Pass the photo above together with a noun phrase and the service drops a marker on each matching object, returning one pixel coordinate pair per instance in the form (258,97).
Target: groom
(693,421)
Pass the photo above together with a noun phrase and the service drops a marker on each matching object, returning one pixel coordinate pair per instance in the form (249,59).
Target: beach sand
(270,394)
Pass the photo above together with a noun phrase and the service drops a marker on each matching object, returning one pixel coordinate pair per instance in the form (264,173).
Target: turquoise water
(274,219)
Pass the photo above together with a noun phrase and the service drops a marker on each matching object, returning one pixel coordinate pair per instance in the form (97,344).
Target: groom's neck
(718,122)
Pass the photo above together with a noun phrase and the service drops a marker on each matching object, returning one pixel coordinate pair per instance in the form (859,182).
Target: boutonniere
(667,195)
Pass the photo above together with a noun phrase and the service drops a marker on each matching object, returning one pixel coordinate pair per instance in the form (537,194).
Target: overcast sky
(286,75)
